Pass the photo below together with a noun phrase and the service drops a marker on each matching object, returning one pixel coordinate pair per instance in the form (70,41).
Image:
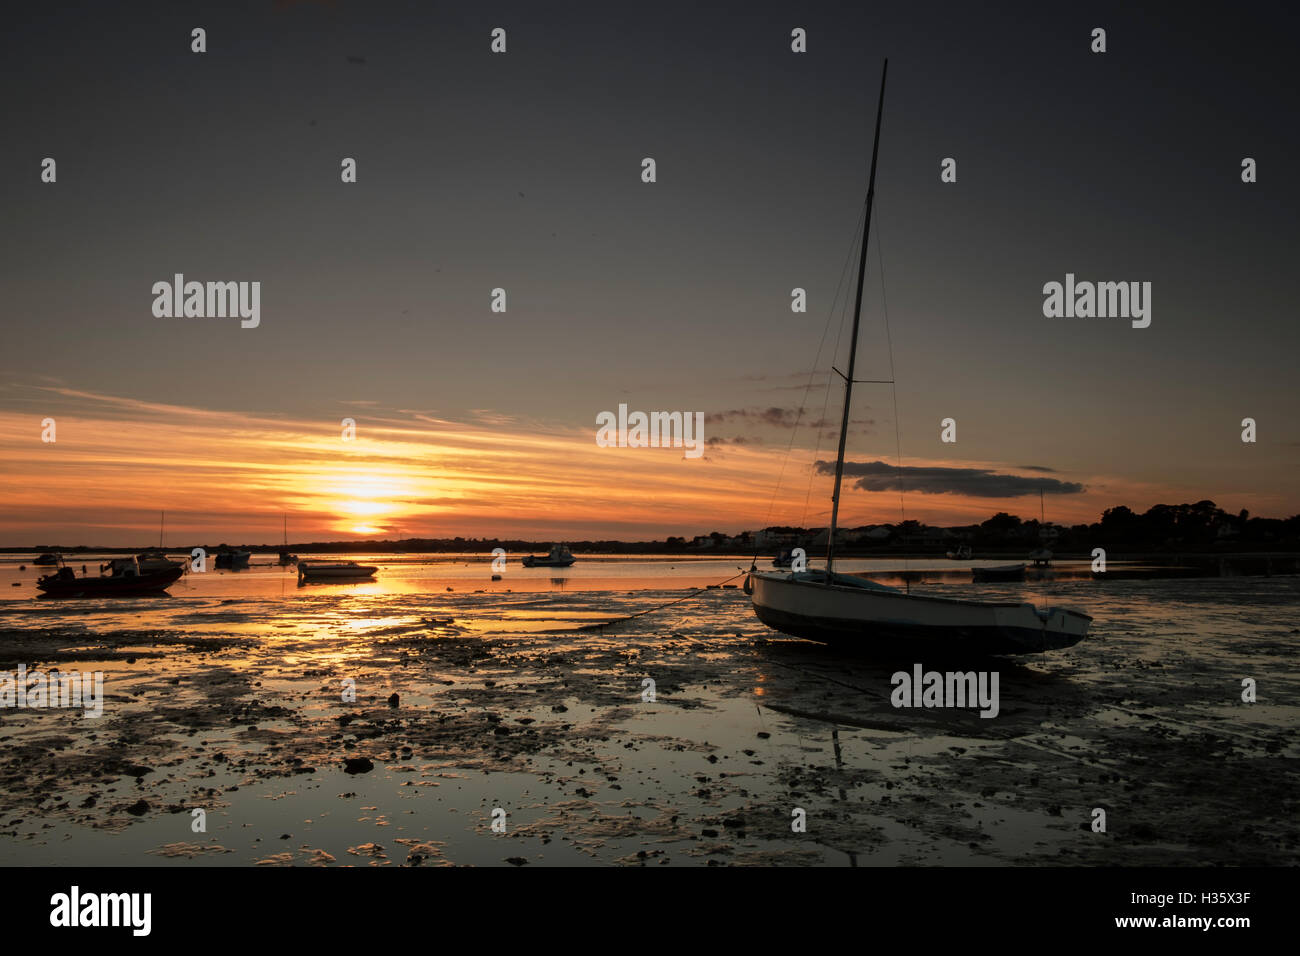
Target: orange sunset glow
(548,437)
(117,462)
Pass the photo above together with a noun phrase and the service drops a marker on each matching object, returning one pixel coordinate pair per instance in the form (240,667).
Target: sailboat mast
(853,344)
(162,524)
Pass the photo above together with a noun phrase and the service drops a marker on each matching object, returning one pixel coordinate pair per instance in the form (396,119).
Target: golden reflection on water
(374,623)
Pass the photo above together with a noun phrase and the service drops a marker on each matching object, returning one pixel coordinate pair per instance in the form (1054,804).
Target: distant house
(927,537)
(769,539)
(842,536)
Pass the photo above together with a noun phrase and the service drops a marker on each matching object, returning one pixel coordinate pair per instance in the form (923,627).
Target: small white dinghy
(316,570)
(851,611)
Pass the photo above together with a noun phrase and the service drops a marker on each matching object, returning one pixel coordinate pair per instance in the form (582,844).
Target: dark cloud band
(977,482)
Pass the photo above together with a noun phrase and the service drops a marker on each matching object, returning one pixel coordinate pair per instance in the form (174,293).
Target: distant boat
(784,558)
(842,609)
(124,577)
(559,557)
(960,553)
(49,557)
(309,570)
(1004,572)
(285,557)
(233,560)
(1041,556)
(155,560)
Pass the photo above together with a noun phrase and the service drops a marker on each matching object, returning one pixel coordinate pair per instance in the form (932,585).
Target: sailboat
(840,609)
(155,559)
(1041,556)
(285,557)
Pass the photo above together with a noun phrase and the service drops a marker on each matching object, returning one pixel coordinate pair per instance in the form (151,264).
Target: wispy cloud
(778,416)
(225,476)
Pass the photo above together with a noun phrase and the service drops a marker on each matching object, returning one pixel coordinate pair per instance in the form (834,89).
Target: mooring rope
(650,610)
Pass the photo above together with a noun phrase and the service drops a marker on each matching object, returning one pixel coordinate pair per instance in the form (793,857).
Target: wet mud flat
(488,703)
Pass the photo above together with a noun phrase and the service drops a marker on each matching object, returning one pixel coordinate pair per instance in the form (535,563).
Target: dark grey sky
(1122,166)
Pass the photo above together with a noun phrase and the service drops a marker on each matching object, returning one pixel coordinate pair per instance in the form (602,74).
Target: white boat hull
(306,570)
(882,619)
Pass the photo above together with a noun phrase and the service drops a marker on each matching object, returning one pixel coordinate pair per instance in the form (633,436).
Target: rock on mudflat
(358,764)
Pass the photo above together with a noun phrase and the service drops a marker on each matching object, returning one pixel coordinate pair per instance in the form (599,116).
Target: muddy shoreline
(454,718)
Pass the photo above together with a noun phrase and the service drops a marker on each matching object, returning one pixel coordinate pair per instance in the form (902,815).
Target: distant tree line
(1202,525)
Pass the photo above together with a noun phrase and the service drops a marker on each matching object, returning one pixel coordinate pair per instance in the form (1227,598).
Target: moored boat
(285,557)
(232,560)
(155,560)
(320,570)
(844,610)
(47,558)
(850,611)
(559,557)
(1003,572)
(124,577)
